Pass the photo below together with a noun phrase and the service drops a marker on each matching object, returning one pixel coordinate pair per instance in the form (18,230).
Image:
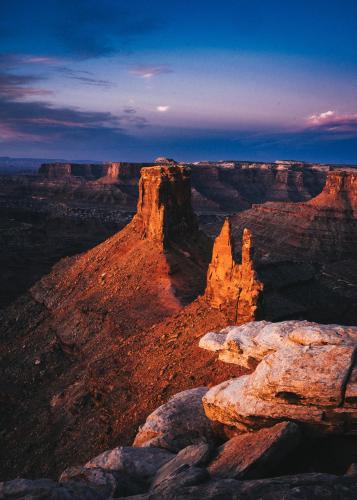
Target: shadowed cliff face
(306,253)
(320,230)
(232,287)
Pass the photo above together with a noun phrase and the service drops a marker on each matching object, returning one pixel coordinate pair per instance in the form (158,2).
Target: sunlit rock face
(233,287)
(164,210)
(339,193)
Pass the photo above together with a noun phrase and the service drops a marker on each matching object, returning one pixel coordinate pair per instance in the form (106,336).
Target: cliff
(102,172)
(319,230)
(305,253)
(216,186)
(339,193)
(164,209)
(232,287)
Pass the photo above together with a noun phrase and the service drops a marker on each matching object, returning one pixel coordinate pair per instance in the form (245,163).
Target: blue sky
(111,79)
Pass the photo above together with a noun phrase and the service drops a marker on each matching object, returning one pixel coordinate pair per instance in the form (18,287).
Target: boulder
(194,455)
(256,454)
(182,477)
(138,463)
(311,486)
(247,344)
(45,489)
(305,372)
(109,483)
(178,423)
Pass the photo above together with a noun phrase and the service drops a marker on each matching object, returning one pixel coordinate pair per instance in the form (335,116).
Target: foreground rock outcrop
(233,287)
(305,372)
(182,453)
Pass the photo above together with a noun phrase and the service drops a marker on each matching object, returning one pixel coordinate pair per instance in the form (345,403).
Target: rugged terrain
(112,333)
(305,253)
(67,208)
(285,431)
(94,340)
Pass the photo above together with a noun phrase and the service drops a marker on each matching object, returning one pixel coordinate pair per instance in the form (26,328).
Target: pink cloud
(7,133)
(333,121)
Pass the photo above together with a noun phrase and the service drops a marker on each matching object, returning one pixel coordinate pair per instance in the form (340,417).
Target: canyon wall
(216,186)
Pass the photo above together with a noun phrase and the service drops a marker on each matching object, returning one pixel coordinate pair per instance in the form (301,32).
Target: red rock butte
(339,193)
(164,209)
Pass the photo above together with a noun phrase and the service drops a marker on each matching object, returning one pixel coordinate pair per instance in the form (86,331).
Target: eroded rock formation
(305,253)
(339,193)
(164,210)
(319,230)
(232,287)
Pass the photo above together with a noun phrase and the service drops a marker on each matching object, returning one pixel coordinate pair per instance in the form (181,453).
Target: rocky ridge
(323,228)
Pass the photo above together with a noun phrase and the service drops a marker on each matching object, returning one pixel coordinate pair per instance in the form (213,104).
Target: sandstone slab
(304,372)
(109,483)
(45,489)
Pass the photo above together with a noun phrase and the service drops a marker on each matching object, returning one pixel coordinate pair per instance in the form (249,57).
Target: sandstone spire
(164,211)
(232,287)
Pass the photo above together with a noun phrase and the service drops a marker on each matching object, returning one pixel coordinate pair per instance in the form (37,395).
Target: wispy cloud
(23,119)
(84,77)
(20,86)
(150,70)
(10,61)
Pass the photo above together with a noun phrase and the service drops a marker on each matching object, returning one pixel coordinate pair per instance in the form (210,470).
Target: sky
(108,80)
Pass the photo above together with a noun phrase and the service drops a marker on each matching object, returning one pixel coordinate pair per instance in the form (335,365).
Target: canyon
(116,333)
(67,208)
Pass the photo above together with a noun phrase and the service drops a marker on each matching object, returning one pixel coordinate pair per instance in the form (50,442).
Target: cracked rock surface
(304,372)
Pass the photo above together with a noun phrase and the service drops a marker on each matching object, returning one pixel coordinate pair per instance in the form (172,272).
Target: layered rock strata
(232,287)
(305,372)
(164,210)
(320,230)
